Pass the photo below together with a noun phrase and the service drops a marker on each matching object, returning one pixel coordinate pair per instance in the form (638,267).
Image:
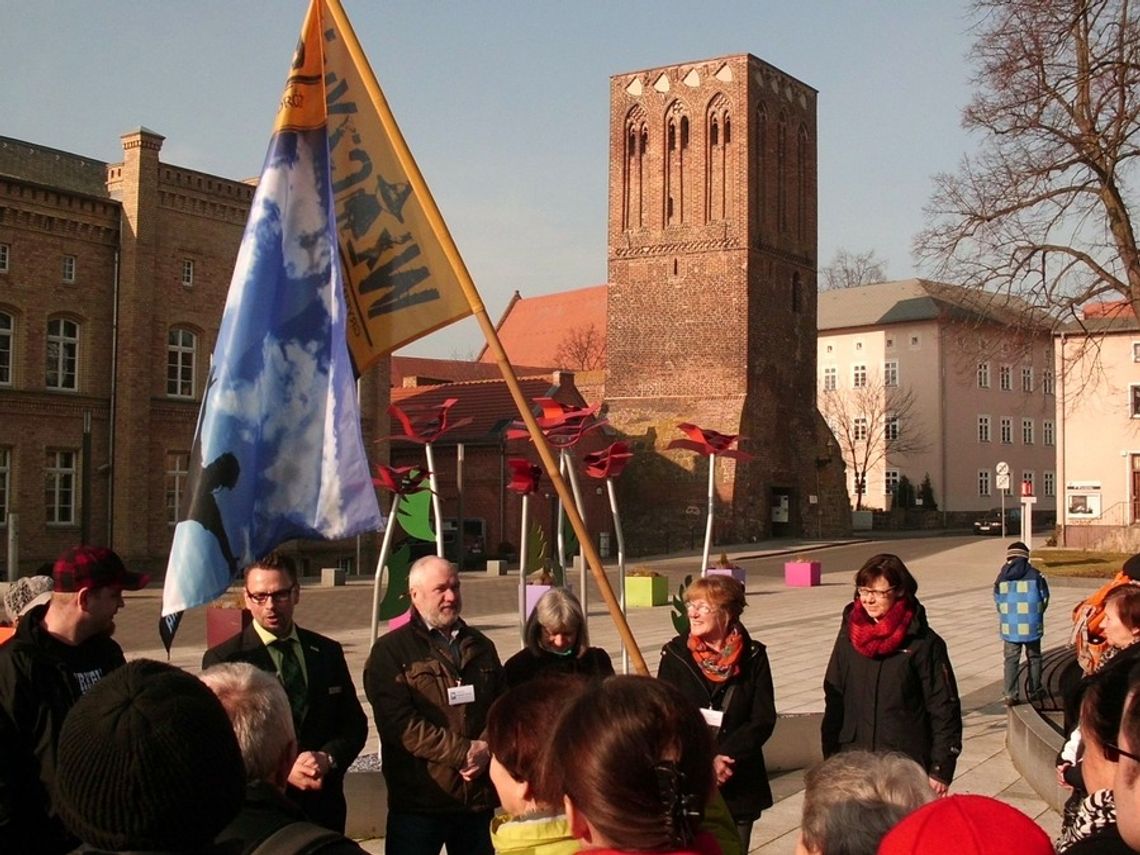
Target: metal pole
(522,569)
(13,546)
(620,562)
(88,467)
(582,569)
(459,522)
(709,522)
(384,547)
(435,504)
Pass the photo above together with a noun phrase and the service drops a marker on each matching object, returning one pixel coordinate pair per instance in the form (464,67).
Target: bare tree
(1043,209)
(582,348)
(873,423)
(850,270)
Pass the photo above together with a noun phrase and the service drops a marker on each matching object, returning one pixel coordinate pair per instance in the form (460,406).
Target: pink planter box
(801,574)
(534,594)
(734,571)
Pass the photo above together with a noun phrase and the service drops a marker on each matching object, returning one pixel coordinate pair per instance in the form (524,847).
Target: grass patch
(1077,562)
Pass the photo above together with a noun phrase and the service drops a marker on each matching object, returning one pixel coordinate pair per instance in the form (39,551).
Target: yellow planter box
(646,591)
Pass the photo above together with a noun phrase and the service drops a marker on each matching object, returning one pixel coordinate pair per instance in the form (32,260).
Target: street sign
(1002,470)
(1003,481)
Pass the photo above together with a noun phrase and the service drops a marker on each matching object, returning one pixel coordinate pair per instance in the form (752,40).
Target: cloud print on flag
(278,452)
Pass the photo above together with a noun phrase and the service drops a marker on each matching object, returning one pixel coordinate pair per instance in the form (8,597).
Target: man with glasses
(330,723)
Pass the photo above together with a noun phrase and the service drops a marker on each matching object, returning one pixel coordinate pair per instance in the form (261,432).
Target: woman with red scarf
(889,684)
(725,673)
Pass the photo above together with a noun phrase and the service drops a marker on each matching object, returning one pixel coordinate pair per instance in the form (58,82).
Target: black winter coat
(38,687)
(906,701)
(526,665)
(748,721)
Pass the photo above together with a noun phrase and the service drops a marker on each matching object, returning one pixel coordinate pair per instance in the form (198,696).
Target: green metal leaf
(415,516)
(680,615)
(396,600)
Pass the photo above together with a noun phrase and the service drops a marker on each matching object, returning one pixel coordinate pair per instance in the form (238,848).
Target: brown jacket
(423,738)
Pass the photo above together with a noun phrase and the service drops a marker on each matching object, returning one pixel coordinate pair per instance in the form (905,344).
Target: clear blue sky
(505,105)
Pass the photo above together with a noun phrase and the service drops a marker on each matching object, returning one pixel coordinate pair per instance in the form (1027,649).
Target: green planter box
(646,591)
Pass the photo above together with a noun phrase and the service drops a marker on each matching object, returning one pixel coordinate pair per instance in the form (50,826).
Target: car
(990,522)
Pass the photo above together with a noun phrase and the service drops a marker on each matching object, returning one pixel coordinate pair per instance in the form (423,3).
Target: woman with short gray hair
(557,642)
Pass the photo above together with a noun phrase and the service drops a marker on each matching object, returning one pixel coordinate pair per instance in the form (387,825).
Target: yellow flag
(400,265)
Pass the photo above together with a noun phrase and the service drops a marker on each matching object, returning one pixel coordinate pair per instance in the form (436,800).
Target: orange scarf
(719,665)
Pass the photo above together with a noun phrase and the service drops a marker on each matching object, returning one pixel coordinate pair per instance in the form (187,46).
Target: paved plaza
(798,625)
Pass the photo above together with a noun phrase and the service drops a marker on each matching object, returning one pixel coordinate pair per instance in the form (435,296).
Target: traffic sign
(1003,481)
(1002,469)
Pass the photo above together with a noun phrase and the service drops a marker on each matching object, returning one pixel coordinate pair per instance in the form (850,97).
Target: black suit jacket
(334,723)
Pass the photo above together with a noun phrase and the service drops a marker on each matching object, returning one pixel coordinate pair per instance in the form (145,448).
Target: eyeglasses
(699,608)
(1113,753)
(873,593)
(279,597)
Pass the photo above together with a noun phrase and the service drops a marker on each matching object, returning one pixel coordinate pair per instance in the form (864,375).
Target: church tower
(712,299)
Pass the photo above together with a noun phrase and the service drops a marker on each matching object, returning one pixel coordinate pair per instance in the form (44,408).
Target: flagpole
(451,252)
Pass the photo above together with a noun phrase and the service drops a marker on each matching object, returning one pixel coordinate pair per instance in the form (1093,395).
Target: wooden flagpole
(435,219)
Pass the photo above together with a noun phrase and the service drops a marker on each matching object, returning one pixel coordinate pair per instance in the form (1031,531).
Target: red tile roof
(533,328)
(423,371)
(487,402)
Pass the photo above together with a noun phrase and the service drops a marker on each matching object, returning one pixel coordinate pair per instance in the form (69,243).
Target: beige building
(918,378)
(1098,431)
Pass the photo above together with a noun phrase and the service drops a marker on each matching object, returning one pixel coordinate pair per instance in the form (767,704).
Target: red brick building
(113,277)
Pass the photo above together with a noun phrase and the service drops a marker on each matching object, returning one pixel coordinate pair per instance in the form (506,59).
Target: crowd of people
(549,753)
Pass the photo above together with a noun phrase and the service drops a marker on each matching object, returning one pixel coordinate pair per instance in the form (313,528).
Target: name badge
(458,695)
(713,718)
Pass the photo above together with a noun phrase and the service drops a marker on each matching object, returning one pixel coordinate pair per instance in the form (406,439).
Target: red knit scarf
(718,666)
(883,637)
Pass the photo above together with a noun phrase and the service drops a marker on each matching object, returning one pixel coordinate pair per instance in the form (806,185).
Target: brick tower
(712,299)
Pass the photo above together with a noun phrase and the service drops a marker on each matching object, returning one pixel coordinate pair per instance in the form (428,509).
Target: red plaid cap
(94,567)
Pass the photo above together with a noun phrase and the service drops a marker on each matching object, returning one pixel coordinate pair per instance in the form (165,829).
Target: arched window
(633,182)
(676,149)
(782,173)
(62,355)
(7,330)
(718,161)
(803,191)
(181,358)
(760,166)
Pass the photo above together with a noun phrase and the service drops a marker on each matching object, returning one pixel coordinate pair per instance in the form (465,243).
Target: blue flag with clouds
(278,452)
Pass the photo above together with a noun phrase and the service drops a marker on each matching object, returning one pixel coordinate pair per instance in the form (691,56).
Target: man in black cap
(148,762)
(59,652)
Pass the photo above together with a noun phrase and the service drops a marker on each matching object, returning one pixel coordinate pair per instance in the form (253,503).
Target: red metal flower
(609,462)
(562,424)
(424,423)
(708,442)
(524,476)
(402,480)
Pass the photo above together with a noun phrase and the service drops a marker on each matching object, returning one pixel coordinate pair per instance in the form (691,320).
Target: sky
(505,105)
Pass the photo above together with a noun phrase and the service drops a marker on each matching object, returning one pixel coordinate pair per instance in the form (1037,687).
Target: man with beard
(431,683)
(59,652)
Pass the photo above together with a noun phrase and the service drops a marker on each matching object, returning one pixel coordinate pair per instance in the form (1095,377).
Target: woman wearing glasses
(889,684)
(725,673)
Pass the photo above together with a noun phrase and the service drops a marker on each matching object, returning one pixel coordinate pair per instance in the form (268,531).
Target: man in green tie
(330,723)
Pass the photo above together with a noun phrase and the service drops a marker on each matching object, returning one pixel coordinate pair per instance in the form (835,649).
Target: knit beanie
(1017,549)
(148,759)
(25,594)
(966,825)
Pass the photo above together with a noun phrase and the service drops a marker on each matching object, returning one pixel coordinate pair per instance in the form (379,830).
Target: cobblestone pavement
(798,625)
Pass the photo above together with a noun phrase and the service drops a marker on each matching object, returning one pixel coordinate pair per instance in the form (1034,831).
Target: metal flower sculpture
(712,444)
(409,505)
(563,425)
(525,478)
(424,424)
(608,464)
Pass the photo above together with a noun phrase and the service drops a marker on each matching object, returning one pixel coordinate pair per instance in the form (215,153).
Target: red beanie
(966,825)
